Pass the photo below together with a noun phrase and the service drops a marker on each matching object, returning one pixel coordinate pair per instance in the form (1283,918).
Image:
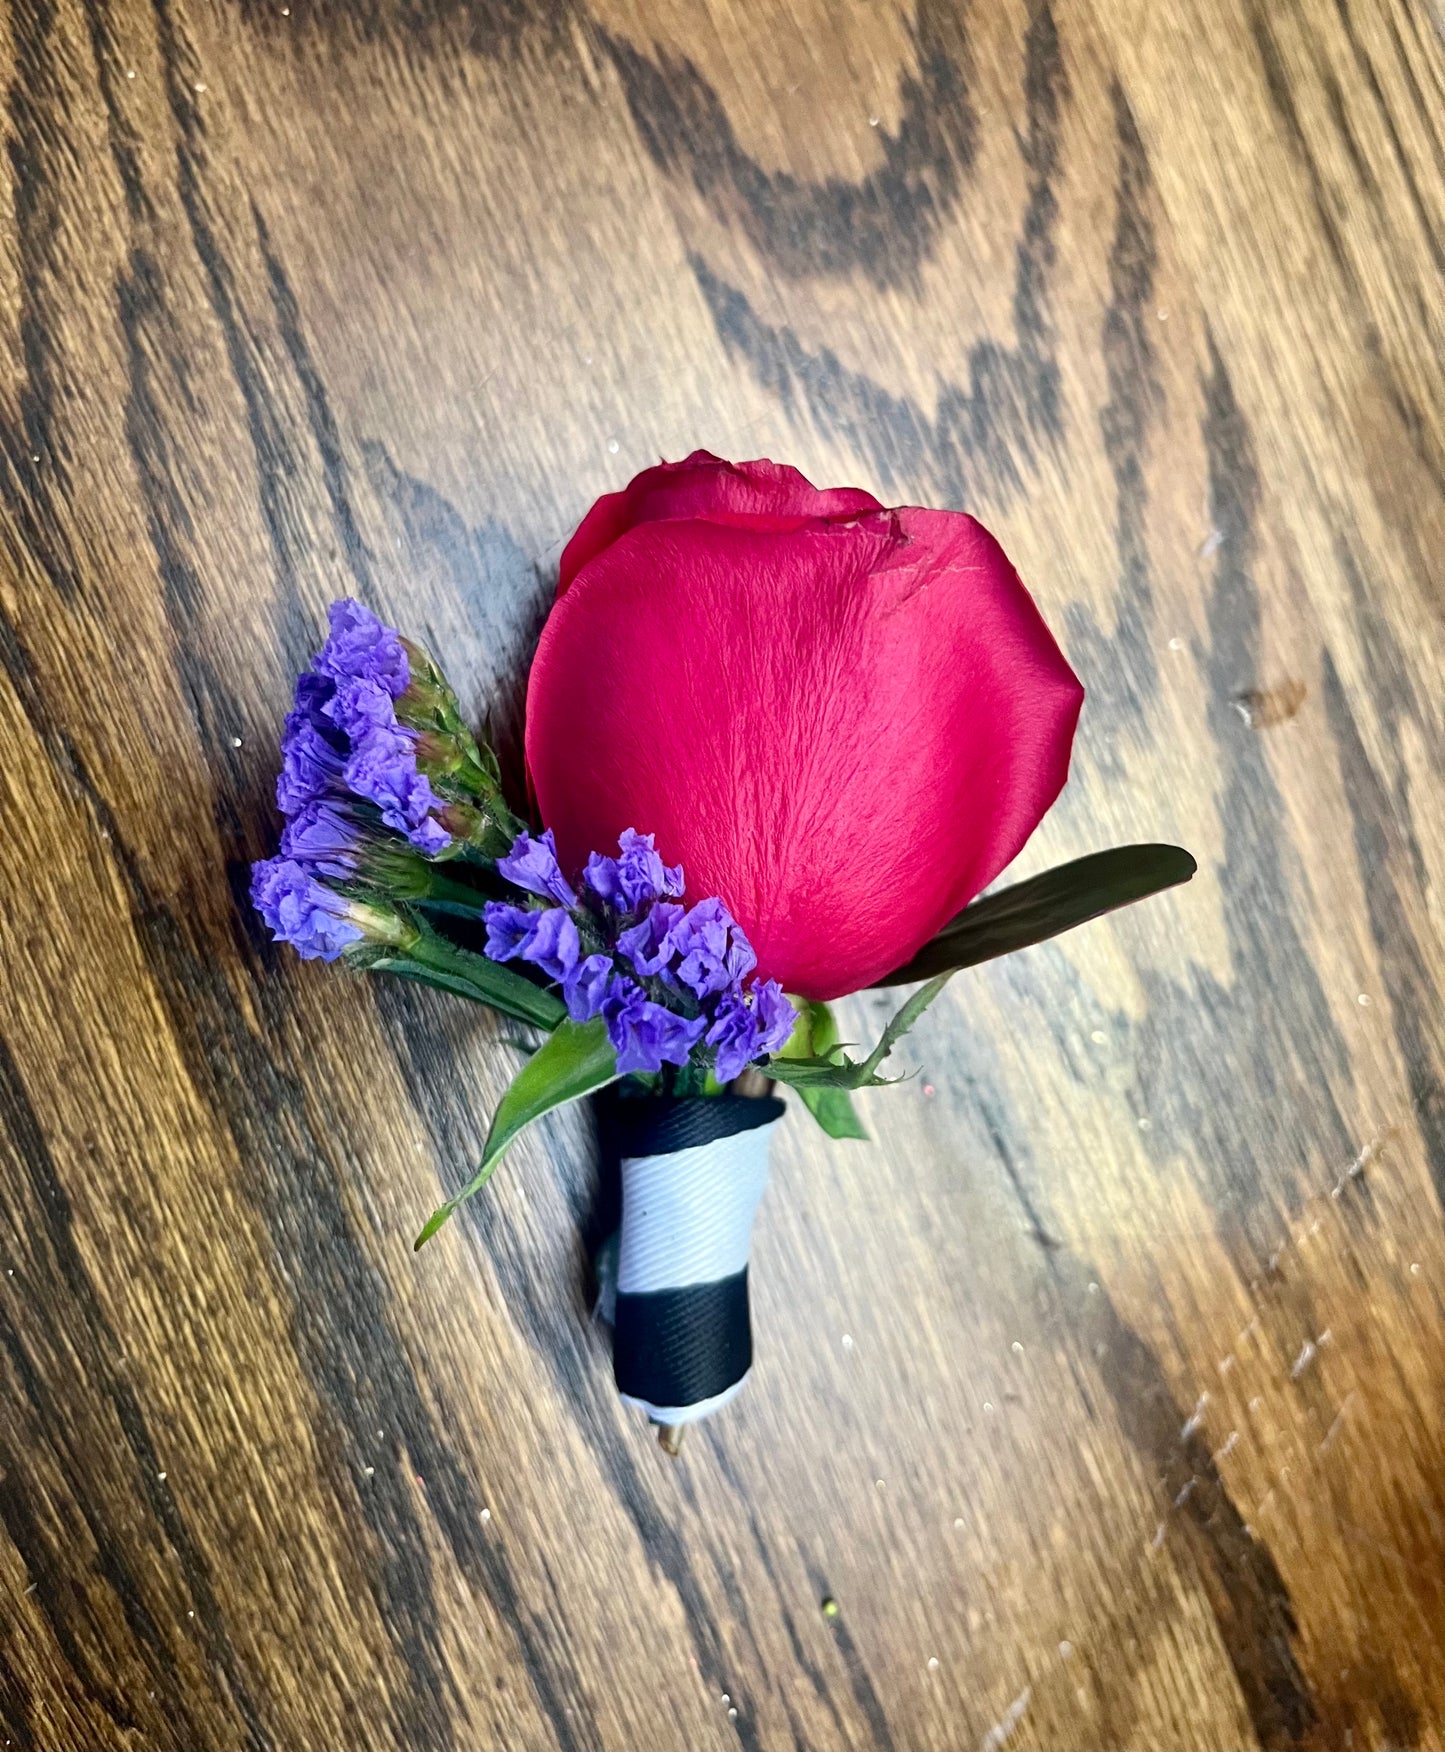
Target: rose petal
(845,730)
(705,486)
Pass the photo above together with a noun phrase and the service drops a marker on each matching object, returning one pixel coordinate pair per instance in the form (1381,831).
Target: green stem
(901,1023)
(473,976)
(688,1080)
(447,893)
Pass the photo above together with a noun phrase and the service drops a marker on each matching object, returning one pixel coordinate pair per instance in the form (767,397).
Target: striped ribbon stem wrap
(693,1173)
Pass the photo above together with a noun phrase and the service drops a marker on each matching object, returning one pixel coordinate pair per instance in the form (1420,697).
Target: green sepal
(833,1069)
(1033,911)
(815,1034)
(575,1060)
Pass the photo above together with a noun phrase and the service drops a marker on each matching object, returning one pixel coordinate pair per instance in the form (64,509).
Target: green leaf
(816,1032)
(834,1111)
(576,1059)
(1033,911)
(817,1073)
(833,1069)
(435,961)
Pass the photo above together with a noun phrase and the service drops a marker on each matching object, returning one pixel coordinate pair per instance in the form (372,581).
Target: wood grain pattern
(1105,1389)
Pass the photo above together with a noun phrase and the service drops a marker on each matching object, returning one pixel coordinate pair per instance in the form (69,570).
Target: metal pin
(669,1438)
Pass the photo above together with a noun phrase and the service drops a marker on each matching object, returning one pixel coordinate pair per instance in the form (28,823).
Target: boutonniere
(778,740)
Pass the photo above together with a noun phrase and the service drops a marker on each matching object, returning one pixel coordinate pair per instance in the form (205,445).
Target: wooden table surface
(1105,1389)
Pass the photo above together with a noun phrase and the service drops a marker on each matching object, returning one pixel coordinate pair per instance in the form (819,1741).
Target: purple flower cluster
(300,910)
(343,736)
(665,978)
(343,749)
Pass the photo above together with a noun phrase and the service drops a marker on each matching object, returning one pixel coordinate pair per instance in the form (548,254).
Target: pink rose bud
(842,720)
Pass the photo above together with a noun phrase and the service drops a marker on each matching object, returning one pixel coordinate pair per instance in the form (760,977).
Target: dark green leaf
(393,963)
(816,1032)
(435,961)
(576,1059)
(1033,911)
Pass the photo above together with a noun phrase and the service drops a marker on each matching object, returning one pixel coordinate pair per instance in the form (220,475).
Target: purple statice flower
(358,707)
(547,937)
(586,986)
(712,952)
(431,838)
(644,1035)
(363,648)
(733,1033)
(323,836)
(302,911)
(775,1015)
(703,949)
(679,1035)
(532,864)
(342,734)
(508,928)
(636,877)
(313,694)
(312,763)
(648,944)
(555,945)
(746,1025)
(382,768)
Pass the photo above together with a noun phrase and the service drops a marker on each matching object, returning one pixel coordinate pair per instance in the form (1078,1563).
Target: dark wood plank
(1104,1390)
